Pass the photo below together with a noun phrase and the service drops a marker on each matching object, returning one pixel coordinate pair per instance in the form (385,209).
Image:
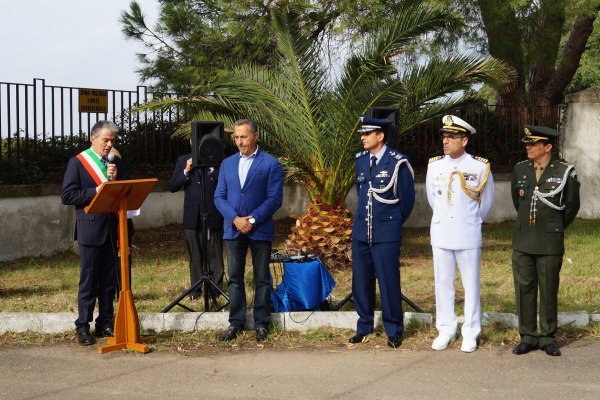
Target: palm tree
(310,117)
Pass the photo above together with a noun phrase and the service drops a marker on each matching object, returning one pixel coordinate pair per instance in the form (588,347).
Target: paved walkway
(74,372)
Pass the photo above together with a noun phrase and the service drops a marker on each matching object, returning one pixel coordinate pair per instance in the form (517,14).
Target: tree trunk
(325,231)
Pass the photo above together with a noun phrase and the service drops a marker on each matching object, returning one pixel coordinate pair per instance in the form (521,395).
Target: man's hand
(243,225)
(111,172)
(188,166)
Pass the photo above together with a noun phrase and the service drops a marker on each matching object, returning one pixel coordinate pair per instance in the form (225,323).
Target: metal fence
(498,138)
(42,126)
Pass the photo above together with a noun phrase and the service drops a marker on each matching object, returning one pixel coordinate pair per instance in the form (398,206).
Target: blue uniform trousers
(381,260)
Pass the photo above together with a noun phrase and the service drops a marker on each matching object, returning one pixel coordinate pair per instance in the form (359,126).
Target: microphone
(111,160)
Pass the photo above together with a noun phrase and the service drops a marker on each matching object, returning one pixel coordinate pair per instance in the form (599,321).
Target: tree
(588,73)
(544,42)
(311,116)
(544,71)
(193,40)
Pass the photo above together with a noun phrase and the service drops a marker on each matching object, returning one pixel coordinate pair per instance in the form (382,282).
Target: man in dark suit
(386,196)
(188,177)
(249,192)
(545,193)
(96,234)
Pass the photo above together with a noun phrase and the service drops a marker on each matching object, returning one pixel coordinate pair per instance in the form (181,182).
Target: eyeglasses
(452,137)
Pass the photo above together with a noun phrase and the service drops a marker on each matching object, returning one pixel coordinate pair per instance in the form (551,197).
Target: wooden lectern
(120,196)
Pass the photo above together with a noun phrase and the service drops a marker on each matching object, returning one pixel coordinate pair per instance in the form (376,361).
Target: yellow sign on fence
(93,100)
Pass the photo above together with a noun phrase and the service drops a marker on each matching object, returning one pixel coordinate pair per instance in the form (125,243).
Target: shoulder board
(523,162)
(573,174)
(361,153)
(483,160)
(432,159)
(396,155)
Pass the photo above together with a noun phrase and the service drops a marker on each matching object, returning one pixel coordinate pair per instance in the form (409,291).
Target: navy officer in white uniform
(460,191)
(386,195)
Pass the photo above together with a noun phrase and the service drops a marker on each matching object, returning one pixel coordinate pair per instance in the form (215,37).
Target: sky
(75,43)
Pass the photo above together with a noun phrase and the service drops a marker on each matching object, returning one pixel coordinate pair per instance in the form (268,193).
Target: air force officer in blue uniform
(386,195)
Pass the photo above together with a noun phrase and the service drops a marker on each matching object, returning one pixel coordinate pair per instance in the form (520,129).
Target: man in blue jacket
(386,196)
(248,193)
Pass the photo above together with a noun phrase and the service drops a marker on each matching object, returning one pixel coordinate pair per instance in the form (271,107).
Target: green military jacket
(539,228)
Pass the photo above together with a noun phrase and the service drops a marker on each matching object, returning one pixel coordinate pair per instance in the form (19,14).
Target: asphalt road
(74,372)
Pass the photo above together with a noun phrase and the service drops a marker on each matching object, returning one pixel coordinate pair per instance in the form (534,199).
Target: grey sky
(69,43)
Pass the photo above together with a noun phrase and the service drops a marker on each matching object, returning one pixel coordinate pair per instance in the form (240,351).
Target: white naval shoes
(441,342)
(468,345)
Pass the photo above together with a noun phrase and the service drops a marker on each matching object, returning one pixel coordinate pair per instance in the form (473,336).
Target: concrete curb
(292,321)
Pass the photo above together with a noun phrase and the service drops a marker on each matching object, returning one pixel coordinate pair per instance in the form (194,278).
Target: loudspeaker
(390,114)
(208,149)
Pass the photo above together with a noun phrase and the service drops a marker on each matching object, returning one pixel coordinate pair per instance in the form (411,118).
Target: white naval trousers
(444,266)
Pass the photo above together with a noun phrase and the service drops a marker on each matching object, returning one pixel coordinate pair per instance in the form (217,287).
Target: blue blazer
(193,197)
(261,196)
(78,189)
(387,218)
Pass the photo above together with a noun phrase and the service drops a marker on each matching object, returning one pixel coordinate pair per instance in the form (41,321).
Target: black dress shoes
(358,338)
(261,334)
(230,334)
(394,342)
(107,331)
(551,349)
(84,338)
(523,348)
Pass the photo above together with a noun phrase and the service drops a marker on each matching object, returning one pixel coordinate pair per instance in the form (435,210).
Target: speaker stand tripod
(205,282)
(348,298)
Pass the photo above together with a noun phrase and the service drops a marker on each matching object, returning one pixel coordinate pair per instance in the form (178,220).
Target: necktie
(373,163)
(538,171)
(104,162)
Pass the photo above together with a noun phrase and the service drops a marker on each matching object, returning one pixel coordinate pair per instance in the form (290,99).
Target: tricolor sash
(93,165)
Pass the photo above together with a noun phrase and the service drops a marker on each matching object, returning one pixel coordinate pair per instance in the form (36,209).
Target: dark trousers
(97,280)
(379,260)
(193,239)
(236,265)
(531,271)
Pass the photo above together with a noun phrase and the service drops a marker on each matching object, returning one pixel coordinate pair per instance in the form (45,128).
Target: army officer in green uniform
(545,193)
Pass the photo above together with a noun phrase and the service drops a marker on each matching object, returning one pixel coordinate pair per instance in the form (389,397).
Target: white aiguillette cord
(374,193)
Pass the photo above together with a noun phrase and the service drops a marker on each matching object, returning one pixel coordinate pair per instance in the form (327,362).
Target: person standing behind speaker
(460,191)
(386,196)
(249,192)
(186,176)
(96,234)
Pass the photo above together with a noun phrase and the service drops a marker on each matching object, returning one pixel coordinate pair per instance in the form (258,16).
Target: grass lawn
(160,273)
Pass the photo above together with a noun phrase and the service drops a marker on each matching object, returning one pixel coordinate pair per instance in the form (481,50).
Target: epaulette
(432,159)
(397,156)
(483,160)
(361,153)
(524,161)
